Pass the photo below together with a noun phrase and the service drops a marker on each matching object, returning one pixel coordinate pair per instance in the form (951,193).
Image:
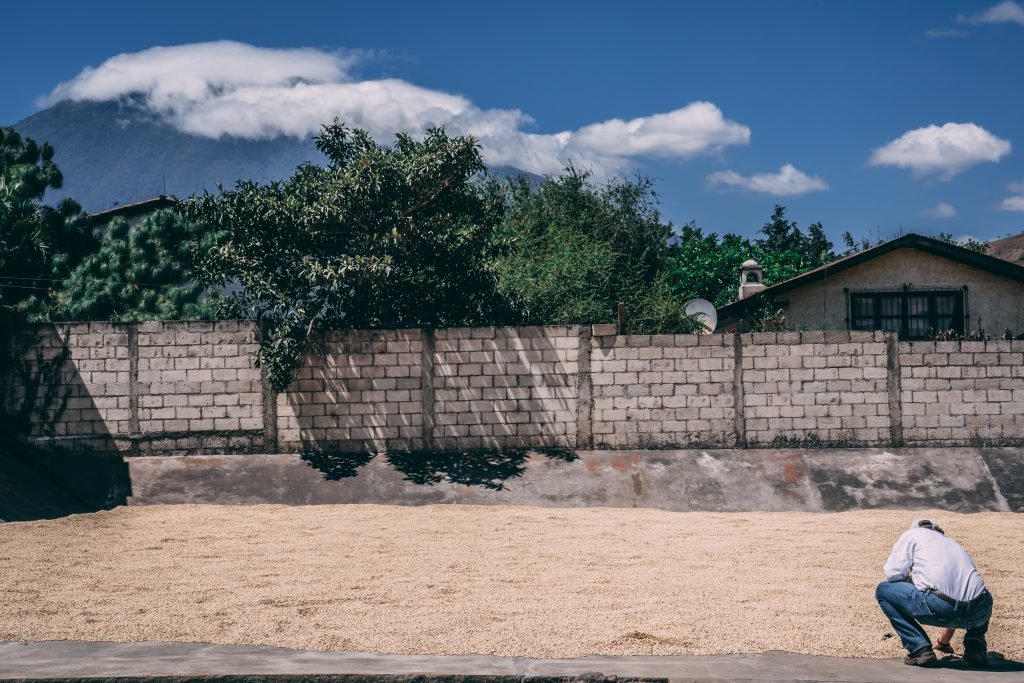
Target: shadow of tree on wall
(488,469)
(41,391)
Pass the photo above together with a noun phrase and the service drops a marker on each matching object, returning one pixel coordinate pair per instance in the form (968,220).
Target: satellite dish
(705,313)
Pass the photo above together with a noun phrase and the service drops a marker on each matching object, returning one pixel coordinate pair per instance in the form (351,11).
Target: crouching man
(930,579)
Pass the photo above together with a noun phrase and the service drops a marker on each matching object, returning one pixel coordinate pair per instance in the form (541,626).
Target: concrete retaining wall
(191,387)
(833,480)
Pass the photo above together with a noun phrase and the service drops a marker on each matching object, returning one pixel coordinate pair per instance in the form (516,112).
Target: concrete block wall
(355,390)
(504,387)
(962,391)
(197,386)
(663,390)
(192,387)
(829,386)
(80,377)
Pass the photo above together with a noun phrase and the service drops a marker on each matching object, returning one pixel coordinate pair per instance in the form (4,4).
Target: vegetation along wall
(192,387)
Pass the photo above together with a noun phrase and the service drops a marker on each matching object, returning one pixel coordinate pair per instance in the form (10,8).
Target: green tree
(140,273)
(571,251)
(383,236)
(39,245)
(786,251)
(969,243)
(706,265)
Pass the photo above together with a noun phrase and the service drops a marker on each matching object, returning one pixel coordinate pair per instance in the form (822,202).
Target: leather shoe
(923,657)
(976,655)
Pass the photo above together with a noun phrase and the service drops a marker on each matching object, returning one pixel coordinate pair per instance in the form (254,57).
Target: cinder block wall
(958,391)
(192,387)
(79,381)
(355,390)
(829,386)
(663,390)
(197,387)
(505,387)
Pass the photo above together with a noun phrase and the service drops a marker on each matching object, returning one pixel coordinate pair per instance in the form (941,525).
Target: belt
(954,602)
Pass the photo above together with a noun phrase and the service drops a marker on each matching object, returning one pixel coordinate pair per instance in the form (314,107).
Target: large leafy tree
(707,265)
(138,273)
(383,236)
(785,251)
(573,250)
(39,245)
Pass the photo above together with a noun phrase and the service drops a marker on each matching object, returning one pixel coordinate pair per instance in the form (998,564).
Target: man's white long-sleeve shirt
(936,562)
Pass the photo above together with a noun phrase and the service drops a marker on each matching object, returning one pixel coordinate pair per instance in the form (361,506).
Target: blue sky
(867,116)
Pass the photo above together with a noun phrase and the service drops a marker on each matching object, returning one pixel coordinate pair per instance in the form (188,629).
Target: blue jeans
(908,608)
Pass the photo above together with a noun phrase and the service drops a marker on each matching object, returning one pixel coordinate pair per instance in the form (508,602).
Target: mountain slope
(1008,248)
(114,153)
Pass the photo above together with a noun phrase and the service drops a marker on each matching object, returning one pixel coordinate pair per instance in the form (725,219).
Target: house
(134,213)
(913,285)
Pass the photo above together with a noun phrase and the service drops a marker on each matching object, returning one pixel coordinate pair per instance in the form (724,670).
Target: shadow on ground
(997,663)
(41,483)
(487,469)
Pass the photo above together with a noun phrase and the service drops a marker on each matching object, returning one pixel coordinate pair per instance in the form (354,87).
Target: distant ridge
(1008,248)
(115,153)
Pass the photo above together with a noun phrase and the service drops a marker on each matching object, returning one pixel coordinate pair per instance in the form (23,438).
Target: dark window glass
(914,314)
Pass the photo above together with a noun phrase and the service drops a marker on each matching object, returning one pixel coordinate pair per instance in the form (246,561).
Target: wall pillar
(739,413)
(134,431)
(269,400)
(584,390)
(427,386)
(893,385)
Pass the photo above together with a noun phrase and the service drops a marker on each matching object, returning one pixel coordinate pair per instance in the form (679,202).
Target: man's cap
(926,523)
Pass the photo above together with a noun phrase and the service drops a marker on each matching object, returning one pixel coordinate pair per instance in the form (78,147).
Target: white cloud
(946,33)
(943,150)
(1015,203)
(788,182)
(228,88)
(1007,12)
(941,210)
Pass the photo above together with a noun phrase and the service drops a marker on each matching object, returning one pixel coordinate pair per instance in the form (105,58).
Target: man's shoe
(976,655)
(923,657)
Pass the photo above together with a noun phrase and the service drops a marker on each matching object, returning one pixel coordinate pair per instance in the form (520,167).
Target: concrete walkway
(88,661)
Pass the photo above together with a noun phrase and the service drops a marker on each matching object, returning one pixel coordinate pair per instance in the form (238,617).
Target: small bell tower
(751,279)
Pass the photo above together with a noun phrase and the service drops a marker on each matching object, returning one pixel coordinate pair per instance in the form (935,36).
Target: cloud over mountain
(941,150)
(788,182)
(226,88)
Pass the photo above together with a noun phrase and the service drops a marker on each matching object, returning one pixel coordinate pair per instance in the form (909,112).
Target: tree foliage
(966,243)
(571,251)
(785,251)
(383,236)
(708,266)
(138,273)
(39,245)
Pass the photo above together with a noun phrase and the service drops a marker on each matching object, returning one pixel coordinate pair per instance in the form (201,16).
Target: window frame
(903,296)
